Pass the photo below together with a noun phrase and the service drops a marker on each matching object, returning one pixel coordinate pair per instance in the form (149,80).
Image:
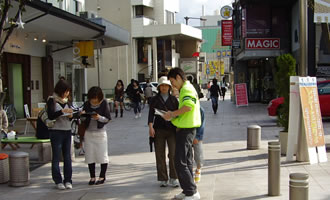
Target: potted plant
(286,67)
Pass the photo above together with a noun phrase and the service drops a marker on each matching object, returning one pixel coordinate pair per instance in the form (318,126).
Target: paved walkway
(230,173)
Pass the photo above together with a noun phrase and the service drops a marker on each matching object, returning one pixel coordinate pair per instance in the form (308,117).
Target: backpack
(43,123)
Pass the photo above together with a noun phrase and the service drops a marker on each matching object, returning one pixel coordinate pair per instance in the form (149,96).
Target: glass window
(139,11)
(324,88)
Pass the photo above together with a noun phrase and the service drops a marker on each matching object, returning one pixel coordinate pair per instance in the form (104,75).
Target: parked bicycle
(11,113)
(128,104)
(74,129)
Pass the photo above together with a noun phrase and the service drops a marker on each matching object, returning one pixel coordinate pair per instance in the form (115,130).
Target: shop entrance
(254,84)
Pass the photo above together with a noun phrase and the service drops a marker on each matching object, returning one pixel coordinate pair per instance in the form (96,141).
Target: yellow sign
(311,112)
(83,54)
(215,68)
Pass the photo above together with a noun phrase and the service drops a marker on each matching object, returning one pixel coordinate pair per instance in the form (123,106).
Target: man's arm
(172,114)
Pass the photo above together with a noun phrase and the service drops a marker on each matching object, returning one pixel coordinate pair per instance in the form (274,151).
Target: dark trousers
(136,107)
(161,138)
(184,160)
(61,143)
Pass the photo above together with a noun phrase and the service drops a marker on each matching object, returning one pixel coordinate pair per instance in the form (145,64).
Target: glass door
(15,78)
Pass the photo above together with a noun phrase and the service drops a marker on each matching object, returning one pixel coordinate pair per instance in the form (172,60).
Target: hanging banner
(227,32)
(83,54)
(241,94)
(321,11)
(311,111)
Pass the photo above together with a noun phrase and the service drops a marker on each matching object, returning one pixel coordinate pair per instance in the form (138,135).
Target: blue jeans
(61,142)
(137,107)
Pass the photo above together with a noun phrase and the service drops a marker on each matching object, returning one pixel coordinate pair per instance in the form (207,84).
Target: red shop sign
(262,43)
(227,32)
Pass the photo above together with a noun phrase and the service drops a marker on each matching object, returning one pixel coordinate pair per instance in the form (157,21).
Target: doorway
(254,84)
(15,81)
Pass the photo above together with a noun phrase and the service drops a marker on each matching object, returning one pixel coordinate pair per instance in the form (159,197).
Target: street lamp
(187,18)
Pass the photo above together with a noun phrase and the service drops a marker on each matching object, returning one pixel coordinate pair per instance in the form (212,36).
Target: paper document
(159,112)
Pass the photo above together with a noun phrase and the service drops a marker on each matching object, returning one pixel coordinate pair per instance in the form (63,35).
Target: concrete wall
(186,48)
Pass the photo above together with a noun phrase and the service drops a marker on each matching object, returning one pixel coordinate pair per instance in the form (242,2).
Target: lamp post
(303,34)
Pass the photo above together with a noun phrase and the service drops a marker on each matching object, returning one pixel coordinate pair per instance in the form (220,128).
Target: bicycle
(11,113)
(128,104)
(74,130)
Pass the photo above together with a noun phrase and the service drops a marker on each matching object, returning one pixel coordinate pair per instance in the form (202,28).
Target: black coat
(157,101)
(103,110)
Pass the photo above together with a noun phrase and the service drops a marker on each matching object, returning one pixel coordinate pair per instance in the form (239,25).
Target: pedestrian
(223,88)
(195,84)
(96,141)
(130,88)
(198,148)
(214,94)
(136,98)
(186,119)
(148,92)
(58,108)
(119,98)
(163,132)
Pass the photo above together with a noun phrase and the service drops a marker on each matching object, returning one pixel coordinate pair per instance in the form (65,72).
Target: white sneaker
(140,115)
(136,116)
(68,185)
(163,183)
(174,182)
(196,196)
(179,196)
(60,186)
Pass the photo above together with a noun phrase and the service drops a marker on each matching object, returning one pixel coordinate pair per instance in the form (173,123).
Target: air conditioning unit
(88,14)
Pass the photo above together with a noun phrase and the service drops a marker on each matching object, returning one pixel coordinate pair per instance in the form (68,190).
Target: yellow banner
(86,48)
(311,113)
(214,68)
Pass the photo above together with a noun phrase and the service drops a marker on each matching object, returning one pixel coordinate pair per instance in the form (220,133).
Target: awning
(61,27)
(257,54)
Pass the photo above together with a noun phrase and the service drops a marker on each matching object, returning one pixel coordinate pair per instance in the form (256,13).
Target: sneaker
(163,183)
(140,115)
(136,116)
(198,175)
(174,182)
(179,196)
(68,185)
(60,186)
(196,196)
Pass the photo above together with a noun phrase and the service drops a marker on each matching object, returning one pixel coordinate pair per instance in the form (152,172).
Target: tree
(286,67)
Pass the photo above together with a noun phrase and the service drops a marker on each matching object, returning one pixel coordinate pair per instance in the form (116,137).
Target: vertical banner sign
(83,54)
(243,23)
(311,111)
(227,32)
(241,94)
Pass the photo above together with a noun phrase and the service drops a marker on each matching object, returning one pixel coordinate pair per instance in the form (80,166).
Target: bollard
(274,171)
(4,168)
(253,137)
(298,186)
(19,169)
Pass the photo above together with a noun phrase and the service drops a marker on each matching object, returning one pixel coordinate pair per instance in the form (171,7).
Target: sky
(193,8)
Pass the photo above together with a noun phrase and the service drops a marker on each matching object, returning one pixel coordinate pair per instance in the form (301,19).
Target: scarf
(60,99)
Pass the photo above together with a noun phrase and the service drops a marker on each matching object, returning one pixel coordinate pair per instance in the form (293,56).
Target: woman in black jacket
(163,132)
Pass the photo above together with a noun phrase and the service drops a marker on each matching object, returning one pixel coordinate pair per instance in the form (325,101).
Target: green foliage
(286,67)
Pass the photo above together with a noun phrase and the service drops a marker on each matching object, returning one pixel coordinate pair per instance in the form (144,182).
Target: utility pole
(303,34)
(187,18)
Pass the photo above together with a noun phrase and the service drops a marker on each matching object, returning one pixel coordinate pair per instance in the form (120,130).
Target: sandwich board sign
(311,121)
(241,94)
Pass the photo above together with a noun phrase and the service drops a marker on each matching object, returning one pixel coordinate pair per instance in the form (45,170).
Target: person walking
(58,108)
(198,148)
(163,132)
(223,88)
(214,94)
(148,92)
(186,119)
(119,98)
(96,142)
(136,98)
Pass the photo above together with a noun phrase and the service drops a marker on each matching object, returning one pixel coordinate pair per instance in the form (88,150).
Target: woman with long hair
(119,97)
(97,113)
(136,98)
(59,109)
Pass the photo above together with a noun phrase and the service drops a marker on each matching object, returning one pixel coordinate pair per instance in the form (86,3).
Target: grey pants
(161,138)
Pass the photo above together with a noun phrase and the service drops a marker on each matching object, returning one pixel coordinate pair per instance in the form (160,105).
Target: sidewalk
(231,172)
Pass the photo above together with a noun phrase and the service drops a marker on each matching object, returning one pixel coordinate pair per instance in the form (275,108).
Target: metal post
(303,34)
(298,186)
(274,171)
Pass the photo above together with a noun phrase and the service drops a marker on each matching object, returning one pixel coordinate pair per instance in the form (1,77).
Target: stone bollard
(19,169)
(4,168)
(298,186)
(274,170)
(253,137)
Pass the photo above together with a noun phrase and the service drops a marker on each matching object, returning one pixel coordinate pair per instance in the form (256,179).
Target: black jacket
(103,110)
(157,101)
(214,91)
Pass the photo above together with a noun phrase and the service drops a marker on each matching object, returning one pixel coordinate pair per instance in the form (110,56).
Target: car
(323,88)
(153,86)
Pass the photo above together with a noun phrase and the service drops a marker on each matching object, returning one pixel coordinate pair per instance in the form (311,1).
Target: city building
(41,50)
(157,42)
